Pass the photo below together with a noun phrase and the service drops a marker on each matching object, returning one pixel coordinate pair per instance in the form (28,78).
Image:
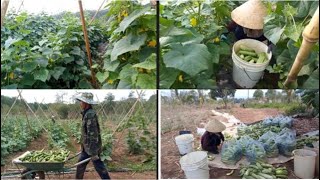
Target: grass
(288,108)
(133,166)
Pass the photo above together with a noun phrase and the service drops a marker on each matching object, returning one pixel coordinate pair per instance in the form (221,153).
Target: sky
(55,6)
(241,93)
(49,96)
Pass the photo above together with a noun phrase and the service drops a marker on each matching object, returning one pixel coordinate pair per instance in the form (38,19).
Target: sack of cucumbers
(255,152)
(251,56)
(286,142)
(243,142)
(46,156)
(231,152)
(261,170)
(268,140)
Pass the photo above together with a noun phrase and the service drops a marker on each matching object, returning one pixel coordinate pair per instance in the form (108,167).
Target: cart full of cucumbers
(46,156)
(261,170)
(251,56)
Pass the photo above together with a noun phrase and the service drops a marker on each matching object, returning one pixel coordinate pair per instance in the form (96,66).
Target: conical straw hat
(250,14)
(215,126)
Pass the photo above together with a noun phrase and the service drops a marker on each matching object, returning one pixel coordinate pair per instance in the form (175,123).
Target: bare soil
(175,119)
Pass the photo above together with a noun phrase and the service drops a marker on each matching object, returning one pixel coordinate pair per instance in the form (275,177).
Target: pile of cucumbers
(261,170)
(249,55)
(46,156)
(306,140)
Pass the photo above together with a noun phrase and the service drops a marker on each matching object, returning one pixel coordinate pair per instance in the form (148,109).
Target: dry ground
(177,118)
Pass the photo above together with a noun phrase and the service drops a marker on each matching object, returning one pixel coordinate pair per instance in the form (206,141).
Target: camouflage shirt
(90,133)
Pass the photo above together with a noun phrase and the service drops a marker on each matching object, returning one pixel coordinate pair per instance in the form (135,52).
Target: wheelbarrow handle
(74,156)
(81,162)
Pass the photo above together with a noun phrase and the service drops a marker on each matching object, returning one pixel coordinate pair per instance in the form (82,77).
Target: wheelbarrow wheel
(32,175)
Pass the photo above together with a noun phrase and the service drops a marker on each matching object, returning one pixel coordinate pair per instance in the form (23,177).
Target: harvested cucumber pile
(256,131)
(301,142)
(249,55)
(255,152)
(261,170)
(43,156)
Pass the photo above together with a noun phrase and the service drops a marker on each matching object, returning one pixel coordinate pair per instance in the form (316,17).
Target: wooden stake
(4,8)
(310,37)
(86,39)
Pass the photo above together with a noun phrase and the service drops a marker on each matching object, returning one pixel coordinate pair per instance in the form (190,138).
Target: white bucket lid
(184,138)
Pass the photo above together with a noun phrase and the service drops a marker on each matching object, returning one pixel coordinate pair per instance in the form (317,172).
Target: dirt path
(250,115)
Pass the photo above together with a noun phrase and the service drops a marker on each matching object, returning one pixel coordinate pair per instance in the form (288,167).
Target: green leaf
(27,80)
(47,51)
(29,66)
(102,76)
(191,58)
(42,42)
(42,62)
(84,84)
(294,32)
(10,41)
(273,28)
(57,72)
(110,65)
(167,77)
(129,19)
(76,51)
(146,81)
(11,86)
(149,63)
(41,75)
(127,44)
(313,81)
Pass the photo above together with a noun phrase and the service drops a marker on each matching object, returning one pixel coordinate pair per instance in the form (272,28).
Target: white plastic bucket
(304,163)
(185,143)
(245,74)
(195,165)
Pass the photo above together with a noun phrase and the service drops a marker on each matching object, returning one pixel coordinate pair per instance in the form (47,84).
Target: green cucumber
(248,53)
(245,48)
(256,176)
(247,58)
(251,61)
(267,176)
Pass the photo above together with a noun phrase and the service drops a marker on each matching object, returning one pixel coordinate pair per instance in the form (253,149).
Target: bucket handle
(249,76)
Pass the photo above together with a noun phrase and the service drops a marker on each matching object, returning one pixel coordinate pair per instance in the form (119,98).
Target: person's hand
(96,157)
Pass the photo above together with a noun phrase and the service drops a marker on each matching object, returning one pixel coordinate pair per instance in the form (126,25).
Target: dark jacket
(211,141)
(239,33)
(90,133)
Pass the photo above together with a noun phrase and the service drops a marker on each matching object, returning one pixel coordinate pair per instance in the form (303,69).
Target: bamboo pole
(4,8)
(94,16)
(86,39)
(310,37)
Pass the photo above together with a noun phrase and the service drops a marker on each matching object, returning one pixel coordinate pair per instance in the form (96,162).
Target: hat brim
(86,100)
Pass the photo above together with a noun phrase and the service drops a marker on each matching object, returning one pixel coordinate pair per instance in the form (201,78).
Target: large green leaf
(27,80)
(129,43)
(41,75)
(273,28)
(167,77)
(191,58)
(57,72)
(313,81)
(29,66)
(110,65)
(149,63)
(146,81)
(128,74)
(102,76)
(129,19)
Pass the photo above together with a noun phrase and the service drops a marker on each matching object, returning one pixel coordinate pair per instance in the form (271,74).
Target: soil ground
(175,119)
(120,158)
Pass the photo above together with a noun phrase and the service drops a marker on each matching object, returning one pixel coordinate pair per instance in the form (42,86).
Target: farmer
(212,139)
(90,138)
(247,20)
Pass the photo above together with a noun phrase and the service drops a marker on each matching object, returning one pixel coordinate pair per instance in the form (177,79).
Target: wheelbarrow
(43,167)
